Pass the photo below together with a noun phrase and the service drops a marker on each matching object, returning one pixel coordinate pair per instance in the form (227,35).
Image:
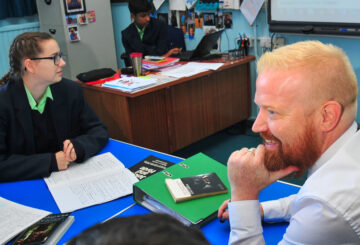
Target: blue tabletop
(34,193)
(218,233)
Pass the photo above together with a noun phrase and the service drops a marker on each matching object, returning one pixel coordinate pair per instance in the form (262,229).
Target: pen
(222,219)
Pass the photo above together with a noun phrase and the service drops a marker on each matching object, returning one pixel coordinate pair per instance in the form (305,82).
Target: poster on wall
(228,20)
(82,19)
(91,16)
(73,34)
(219,20)
(191,31)
(71,19)
(209,19)
(198,20)
(231,4)
(74,7)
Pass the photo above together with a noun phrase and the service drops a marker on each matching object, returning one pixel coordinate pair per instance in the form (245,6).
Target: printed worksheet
(100,179)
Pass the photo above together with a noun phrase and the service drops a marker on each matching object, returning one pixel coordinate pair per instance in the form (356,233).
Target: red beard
(303,153)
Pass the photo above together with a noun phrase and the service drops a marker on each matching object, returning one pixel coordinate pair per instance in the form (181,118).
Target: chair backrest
(175,38)
(126,59)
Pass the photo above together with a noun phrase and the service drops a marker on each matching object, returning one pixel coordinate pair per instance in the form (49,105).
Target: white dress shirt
(325,211)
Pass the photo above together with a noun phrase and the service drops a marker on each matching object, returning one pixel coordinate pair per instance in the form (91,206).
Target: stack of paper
(162,79)
(131,84)
(191,69)
(153,65)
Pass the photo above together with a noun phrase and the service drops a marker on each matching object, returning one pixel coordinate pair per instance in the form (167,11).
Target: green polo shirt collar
(40,107)
(141,31)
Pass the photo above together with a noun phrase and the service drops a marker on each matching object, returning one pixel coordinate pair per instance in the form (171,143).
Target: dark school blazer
(154,41)
(72,117)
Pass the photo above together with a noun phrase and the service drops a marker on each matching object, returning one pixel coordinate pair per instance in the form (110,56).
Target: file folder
(153,194)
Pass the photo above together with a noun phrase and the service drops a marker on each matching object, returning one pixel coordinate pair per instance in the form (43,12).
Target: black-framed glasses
(56,58)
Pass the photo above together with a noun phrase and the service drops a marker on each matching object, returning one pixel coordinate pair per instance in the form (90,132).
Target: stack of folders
(131,84)
(154,194)
(153,65)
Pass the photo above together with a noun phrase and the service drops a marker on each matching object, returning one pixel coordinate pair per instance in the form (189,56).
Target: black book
(149,166)
(47,231)
(202,185)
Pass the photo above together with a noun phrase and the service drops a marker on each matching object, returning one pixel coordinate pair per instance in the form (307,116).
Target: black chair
(175,38)
(126,59)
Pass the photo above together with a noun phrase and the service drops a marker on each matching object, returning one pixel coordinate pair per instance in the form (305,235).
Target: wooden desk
(171,116)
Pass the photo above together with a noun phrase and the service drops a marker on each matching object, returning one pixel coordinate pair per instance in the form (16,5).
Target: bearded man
(307,98)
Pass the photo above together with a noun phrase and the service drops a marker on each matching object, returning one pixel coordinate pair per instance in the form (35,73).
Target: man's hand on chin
(248,175)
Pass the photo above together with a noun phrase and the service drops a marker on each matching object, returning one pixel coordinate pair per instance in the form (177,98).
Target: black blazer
(154,41)
(72,117)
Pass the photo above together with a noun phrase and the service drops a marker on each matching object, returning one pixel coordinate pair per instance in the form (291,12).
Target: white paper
(100,179)
(208,66)
(162,79)
(190,3)
(191,69)
(14,218)
(177,5)
(158,3)
(250,9)
(231,4)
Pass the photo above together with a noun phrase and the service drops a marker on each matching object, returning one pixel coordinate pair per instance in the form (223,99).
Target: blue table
(34,193)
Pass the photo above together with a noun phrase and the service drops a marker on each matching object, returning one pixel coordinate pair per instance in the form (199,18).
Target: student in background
(45,122)
(149,229)
(145,35)
(307,98)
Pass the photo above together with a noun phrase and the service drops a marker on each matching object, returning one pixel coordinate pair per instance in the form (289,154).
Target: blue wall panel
(7,35)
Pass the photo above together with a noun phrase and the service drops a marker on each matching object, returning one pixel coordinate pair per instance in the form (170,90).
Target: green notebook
(153,194)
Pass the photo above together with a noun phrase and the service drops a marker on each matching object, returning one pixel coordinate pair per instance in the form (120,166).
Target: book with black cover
(192,187)
(47,231)
(149,166)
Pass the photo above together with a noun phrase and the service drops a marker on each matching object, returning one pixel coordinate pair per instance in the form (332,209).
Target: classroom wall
(121,19)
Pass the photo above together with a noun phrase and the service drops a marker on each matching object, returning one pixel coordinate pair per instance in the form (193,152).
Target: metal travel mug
(136,60)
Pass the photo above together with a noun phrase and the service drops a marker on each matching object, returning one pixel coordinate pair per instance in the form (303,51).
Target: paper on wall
(158,3)
(190,3)
(250,9)
(231,4)
(177,5)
